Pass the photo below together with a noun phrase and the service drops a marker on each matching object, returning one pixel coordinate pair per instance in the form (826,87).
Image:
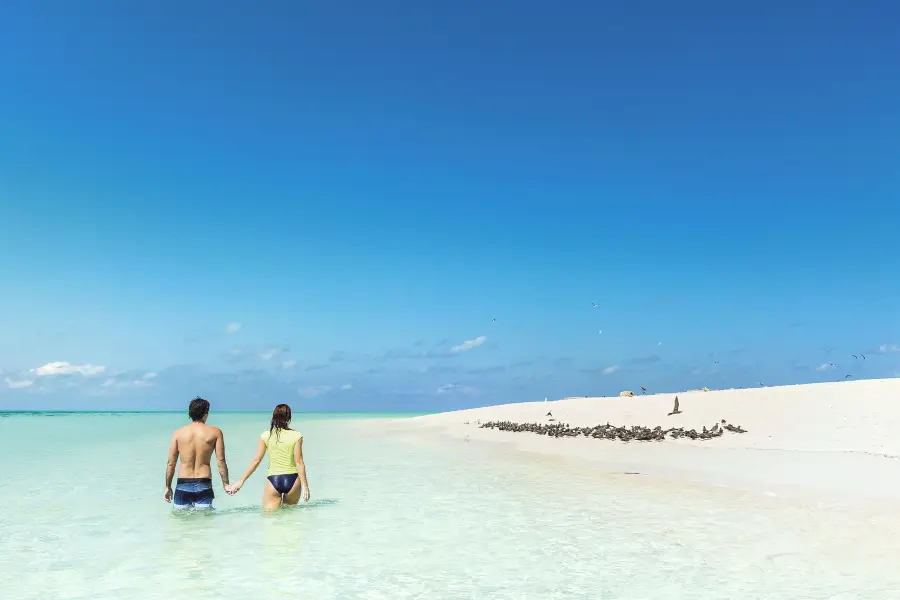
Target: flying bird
(855,356)
(658,344)
(600,332)
(595,305)
(864,356)
(847,376)
(643,390)
(675,410)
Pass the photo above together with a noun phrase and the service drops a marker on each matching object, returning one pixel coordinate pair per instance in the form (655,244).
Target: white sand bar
(839,441)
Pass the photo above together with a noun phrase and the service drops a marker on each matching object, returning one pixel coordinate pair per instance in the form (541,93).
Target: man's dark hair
(198,408)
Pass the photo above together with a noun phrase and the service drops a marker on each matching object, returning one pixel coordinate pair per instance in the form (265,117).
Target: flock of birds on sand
(611,432)
(635,433)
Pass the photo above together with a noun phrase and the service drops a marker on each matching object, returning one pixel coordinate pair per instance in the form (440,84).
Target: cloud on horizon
(65,368)
(469,344)
(18,384)
(233,327)
(270,353)
(454,388)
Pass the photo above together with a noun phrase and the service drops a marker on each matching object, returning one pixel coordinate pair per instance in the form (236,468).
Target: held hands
(232,489)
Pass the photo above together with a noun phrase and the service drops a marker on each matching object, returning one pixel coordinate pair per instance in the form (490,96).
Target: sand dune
(840,439)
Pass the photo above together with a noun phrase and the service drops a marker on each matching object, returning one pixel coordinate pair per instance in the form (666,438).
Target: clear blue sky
(365,186)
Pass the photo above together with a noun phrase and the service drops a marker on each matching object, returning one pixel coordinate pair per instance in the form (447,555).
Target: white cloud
(289,364)
(18,384)
(271,353)
(233,328)
(145,380)
(64,368)
(888,348)
(452,388)
(314,390)
(611,370)
(825,367)
(469,344)
(347,386)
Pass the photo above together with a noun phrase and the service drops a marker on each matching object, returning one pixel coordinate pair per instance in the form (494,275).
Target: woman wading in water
(286,476)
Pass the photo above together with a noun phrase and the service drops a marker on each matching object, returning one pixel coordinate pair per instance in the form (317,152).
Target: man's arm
(170,467)
(220,458)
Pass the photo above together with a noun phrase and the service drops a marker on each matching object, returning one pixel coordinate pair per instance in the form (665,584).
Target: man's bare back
(194,445)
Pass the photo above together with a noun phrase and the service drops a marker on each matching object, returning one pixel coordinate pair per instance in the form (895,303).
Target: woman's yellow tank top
(280,445)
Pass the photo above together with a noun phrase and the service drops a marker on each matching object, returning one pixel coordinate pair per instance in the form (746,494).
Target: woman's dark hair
(281,418)
(197,408)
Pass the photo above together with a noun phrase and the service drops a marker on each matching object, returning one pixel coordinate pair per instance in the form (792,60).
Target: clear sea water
(83,517)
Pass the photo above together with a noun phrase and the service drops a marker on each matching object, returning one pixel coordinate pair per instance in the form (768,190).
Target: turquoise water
(83,517)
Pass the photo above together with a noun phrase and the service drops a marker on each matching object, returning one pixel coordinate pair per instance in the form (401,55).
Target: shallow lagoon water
(83,517)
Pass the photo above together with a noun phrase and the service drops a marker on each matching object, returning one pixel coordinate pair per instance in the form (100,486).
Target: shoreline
(828,442)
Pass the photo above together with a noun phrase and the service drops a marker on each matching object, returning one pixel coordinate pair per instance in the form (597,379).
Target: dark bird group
(635,433)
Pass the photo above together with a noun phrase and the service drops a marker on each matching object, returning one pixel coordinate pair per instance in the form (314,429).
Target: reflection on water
(84,518)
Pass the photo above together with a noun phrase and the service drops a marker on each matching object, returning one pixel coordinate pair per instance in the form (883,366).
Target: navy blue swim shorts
(191,492)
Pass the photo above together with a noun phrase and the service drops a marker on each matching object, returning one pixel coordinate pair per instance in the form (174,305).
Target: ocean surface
(83,516)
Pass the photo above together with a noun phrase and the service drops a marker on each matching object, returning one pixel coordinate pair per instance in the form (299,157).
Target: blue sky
(327,204)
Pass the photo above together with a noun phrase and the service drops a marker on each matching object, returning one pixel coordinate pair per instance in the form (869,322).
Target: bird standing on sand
(675,410)
(549,413)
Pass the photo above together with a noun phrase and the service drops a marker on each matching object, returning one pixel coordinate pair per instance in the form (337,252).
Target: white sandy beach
(836,441)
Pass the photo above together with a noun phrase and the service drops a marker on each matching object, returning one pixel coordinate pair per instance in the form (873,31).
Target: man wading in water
(194,444)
